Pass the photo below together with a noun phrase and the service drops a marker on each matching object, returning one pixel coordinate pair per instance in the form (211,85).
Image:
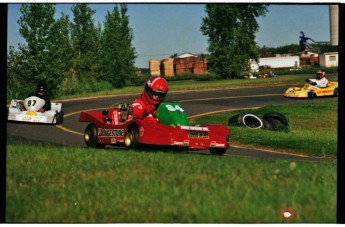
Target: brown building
(181,64)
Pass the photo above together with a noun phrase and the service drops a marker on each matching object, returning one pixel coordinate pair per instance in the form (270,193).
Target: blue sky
(161,30)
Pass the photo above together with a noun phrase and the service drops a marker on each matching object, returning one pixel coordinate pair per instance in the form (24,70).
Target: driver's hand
(150,109)
(41,110)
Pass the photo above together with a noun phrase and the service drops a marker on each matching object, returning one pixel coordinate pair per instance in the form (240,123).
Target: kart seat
(125,113)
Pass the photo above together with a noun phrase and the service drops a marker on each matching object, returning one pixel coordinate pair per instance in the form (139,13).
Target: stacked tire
(271,121)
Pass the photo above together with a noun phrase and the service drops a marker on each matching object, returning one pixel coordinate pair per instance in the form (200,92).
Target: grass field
(78,185)
(313,129)
(49,184)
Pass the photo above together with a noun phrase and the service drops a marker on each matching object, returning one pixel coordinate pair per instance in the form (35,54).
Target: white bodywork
(27,111)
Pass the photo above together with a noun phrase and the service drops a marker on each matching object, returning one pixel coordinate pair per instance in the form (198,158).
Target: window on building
(332,58)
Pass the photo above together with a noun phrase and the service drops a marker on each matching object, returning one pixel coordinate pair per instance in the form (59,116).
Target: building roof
(328,48)
(186,55)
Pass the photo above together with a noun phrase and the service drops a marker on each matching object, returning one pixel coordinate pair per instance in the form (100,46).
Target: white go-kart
(27,110)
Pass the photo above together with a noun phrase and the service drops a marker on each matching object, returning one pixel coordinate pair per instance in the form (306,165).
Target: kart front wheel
(217,151)
(131,138)
(90,137)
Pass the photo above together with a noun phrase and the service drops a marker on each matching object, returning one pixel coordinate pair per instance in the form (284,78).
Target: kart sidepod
(172,129)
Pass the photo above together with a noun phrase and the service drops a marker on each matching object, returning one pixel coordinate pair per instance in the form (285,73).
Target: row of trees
(71,56)
(286,49)
(78,56)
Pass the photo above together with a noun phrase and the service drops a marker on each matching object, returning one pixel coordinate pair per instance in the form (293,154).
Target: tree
(32,63)
(118,55)
(231,30)
(45,56)
(61,52)
(85,43)
(272,51)
(19,81)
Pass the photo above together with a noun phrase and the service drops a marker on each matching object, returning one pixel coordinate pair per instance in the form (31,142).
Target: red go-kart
(117,127)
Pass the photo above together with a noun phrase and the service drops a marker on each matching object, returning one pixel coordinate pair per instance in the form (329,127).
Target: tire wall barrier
(271,121)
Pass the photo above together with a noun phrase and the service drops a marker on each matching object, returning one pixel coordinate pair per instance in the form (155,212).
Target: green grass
(312,129)
(64,185)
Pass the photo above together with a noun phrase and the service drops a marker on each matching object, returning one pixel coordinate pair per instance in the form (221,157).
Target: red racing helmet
(156,88)
(320,74)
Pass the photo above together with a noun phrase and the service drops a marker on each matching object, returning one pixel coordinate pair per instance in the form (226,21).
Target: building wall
(280,62)
(329,59)
(155,67)
(172,66)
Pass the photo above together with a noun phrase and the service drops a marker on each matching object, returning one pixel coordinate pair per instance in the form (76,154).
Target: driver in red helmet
(156,88)
(320,81)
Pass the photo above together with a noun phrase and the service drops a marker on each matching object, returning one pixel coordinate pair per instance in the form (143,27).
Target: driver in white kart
(42,92)
(320,81)
(156,88)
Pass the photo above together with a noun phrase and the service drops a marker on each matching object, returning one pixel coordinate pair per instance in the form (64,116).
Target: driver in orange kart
(156,88)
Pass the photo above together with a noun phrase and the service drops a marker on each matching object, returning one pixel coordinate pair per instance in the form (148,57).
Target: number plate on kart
(195,128)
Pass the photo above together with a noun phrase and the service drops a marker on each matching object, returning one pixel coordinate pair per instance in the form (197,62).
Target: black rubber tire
(217,151)
(90,137)
(236,120)
(335,92)
(59,118)
(252,121)
(278,116)
(277,125)
(131,138)
(311,95)
(247,120)
(267,125)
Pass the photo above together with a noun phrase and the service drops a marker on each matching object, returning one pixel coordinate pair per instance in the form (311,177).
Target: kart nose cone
(31,113)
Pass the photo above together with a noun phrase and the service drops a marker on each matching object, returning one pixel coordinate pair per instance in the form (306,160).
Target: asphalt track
(195,103)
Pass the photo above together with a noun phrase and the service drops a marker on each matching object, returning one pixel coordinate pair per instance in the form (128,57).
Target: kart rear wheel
(217,151)
(131,138)
(90,137)
(311,95)
(59,117)
(335,92)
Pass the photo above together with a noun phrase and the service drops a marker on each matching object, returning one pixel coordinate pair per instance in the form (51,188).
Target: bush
(305,70)
(191,76)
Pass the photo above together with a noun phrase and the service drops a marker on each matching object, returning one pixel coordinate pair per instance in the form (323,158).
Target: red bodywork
(150,132)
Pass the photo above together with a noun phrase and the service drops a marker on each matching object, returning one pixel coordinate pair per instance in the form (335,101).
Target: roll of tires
(252,121)
(277,125)
(236,120)
(267,125)
(277,116)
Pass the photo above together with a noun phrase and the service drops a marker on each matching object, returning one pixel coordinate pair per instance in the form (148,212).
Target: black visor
(161,94)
